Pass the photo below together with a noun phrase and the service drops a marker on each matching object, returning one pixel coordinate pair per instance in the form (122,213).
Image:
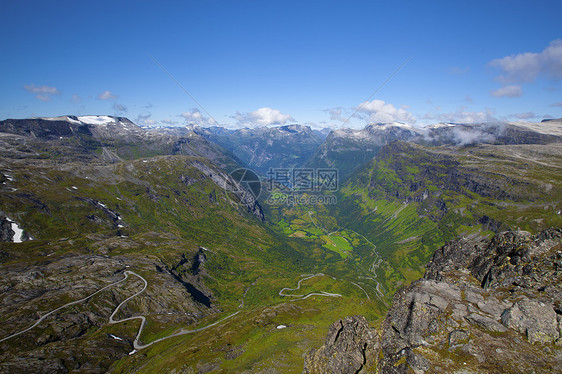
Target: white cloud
(508,91)
(379,111)
(339,114)
(558,104)
(526,67)
(263,117)
(461,115)
(76,99)
(106,95)
(196,117)
(42,93)
(464,137)
(518,68)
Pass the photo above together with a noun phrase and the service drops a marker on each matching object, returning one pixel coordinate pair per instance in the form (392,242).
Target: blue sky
(250,63)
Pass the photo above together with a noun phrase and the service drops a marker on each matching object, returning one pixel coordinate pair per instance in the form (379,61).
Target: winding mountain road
(302,297)
(136,343)
(362,289)
(66,305)
(378,258)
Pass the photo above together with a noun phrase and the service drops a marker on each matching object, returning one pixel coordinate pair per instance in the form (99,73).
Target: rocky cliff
(349,348)
(483,306)
(263,148)
(348,149)
(6,232)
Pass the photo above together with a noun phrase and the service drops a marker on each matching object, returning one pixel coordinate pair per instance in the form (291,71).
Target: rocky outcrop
(6,232)
(198,260)
(349,348)
(518,259)
(534,319)
(483,305)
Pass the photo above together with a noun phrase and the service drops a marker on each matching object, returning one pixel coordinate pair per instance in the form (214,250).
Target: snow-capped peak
(96,120)
(387,125)
(439,125)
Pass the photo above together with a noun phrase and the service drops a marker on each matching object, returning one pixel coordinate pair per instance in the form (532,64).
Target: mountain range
(292,146)
(131,249)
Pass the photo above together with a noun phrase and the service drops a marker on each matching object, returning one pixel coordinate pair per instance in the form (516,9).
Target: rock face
(266,147)
(483,306)
(536,320)
(6,232)
(349,348)
(347,149)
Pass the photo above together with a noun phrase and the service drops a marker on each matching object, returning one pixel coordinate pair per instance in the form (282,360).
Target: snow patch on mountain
(96,120)
(18,231)
(71,120)
(439,126)
(390,125)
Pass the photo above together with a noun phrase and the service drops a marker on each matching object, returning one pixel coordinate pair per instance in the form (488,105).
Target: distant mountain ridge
(104,138)
(261,148)
(348,149)
(287,146)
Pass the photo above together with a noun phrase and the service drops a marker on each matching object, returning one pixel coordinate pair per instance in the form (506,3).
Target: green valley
(233,283)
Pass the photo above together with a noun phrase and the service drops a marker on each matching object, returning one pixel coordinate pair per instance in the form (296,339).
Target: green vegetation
(154,214)
(411,200)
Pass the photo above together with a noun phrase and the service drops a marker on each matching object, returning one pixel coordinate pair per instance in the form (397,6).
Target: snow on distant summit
(91,120)
(377,131)
(95,120)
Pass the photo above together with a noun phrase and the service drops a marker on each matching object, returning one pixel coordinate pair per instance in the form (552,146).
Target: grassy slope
(381,204)
(411,200)
(164,218)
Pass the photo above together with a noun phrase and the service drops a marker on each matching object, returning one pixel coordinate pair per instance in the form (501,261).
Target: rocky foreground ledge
(483,306)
